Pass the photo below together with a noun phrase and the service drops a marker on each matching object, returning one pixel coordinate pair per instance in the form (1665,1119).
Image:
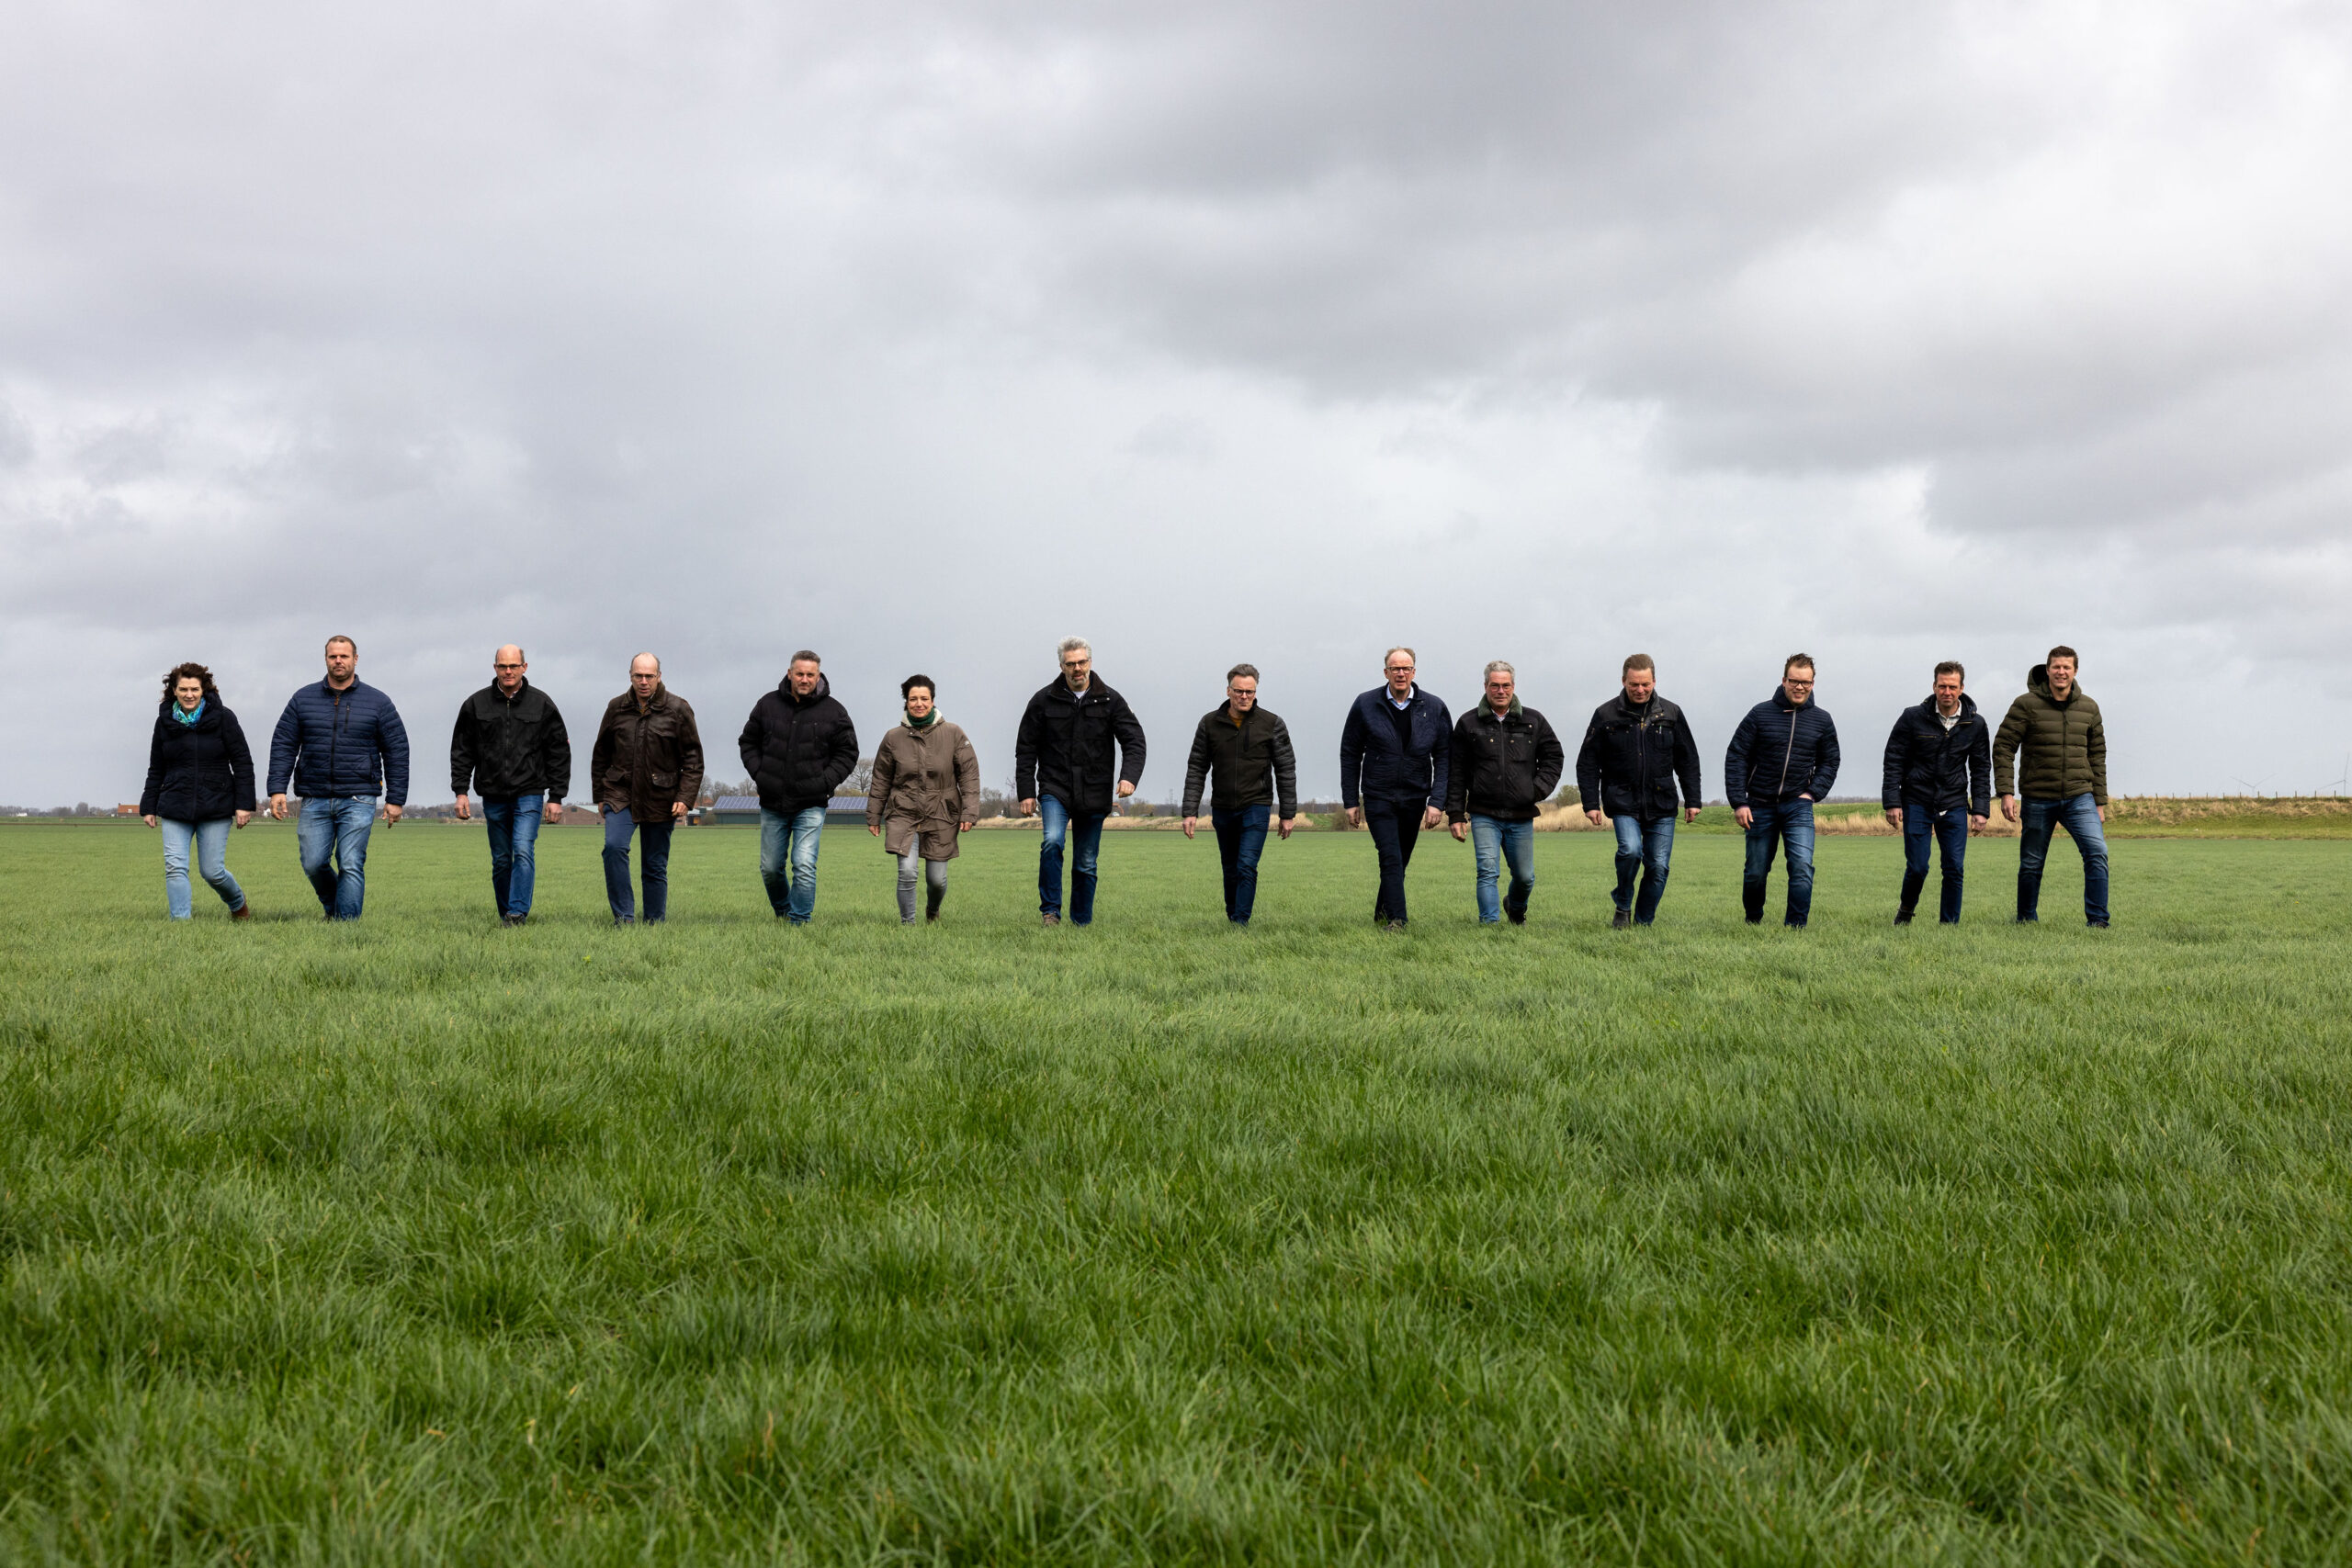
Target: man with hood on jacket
(1076,734)
(1637,749)
(798,746)
(338,744)
(1782,758)
(1395,760)
(510,743)
(1504,764)
(2062,777)
(1938,786)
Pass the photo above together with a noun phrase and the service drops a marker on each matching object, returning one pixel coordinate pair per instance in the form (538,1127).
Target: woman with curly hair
(199,779)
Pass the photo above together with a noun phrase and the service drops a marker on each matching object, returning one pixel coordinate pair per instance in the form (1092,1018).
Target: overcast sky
(925,335)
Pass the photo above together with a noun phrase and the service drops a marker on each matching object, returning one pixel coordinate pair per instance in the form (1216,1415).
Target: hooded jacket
(1250,760)
(200,772)
(1373,766)
(2064,743)
(798,749)
(331,744)
(1781,750)
(646,762)
(1502,767)
(1633,759)
(506,746)
(1938,768)
(1066,742)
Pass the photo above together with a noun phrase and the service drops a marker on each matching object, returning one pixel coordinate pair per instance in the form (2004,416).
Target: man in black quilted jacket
(1782,758)
(800,747)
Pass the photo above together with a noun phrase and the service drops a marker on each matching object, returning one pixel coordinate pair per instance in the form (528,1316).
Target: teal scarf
(924,723)
(184,715)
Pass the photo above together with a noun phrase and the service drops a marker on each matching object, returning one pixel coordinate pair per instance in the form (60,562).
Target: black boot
(932,896)
(2028,895)
(1909,903)
(1751,899)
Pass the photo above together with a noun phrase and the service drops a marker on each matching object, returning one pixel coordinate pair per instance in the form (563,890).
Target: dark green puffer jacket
(2065,745)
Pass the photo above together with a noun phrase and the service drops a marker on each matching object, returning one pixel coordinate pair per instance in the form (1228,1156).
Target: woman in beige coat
(925,790)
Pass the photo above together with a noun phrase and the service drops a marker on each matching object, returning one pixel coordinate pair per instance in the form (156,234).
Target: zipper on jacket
(1786,755)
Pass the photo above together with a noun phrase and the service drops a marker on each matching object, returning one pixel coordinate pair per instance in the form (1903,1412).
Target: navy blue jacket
(336,743)
(1938,768)
(1780,752)
(200,772)
(1371,768)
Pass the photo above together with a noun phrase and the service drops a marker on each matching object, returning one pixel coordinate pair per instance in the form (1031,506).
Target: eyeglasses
(507,667)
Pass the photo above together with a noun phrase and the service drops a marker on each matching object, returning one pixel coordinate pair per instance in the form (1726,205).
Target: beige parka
(925,781)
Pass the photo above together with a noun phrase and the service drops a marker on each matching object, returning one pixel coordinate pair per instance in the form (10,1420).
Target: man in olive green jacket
(2062,777)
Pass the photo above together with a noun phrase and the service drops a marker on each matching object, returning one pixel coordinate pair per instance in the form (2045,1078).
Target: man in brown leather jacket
(646,772)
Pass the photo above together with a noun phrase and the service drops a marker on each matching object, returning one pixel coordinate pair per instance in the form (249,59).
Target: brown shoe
(1052,921)
(242,912)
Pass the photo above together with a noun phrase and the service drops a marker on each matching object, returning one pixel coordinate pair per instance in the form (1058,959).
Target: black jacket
(506,746)
(799,750)
(1066,746)
(200,772)
(1633,759)
(1374,767)
(1928,765)
(1252,762)
(1502,767)
(1780,752)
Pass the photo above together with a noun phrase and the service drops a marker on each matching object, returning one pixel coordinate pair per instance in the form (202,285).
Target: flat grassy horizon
(420,1240)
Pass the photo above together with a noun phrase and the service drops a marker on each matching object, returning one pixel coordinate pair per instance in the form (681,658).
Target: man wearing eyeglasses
(510,744)
(1784,757)
(1248,751)
(1395,761)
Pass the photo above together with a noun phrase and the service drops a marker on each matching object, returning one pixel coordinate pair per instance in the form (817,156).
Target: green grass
(420,1240)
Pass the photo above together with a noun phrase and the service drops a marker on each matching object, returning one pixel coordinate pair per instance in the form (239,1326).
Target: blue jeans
(1396,828)
(788,861)
(656,839)
(1240,840)
(1923,829)
(2079,816)
(514,824)
(336,825)
(1494,841)
(1643,844)
(1768,827)
(211,841)
(1060,825)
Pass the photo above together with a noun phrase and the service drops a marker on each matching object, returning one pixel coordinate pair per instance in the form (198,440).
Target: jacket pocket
(664,780)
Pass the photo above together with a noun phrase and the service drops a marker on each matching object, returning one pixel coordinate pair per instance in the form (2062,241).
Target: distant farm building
(744,811)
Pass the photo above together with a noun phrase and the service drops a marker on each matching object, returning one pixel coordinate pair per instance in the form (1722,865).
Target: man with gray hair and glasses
(1506,762)
(1247,751)
(1080,750)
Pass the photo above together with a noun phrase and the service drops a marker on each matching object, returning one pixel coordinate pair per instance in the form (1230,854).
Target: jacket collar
(1486,709)
(1628,710)
(1380,695)
(2037,680)
(1967,707)
(520,690)
(1780,700)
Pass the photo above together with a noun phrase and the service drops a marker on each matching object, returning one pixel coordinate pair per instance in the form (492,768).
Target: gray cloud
(924,334)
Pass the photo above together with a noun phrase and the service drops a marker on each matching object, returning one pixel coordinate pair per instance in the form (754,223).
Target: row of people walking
(1406,766)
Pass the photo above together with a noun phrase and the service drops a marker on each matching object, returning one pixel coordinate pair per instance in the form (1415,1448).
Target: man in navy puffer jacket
(1395,752)
(339,743)
(1782,758)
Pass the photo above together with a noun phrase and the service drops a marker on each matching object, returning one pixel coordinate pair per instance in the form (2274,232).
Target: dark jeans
(1061,827)
(2079,816)
(1645,844)
(1395,825)
(1923,828)
(332,836)
(1240,840)
(1789,821)
(655,836)
(514,824)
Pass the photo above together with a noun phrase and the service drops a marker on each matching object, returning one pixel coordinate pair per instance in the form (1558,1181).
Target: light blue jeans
(1061,828)
(336,828)
(1645,848)
(211,842)
(788,860)
(1494,841)
(2079,815)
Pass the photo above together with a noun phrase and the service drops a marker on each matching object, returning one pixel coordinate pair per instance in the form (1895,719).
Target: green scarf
(186,715)
(922,724)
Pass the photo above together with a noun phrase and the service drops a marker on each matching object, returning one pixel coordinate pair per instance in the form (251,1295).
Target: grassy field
(419,1240)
